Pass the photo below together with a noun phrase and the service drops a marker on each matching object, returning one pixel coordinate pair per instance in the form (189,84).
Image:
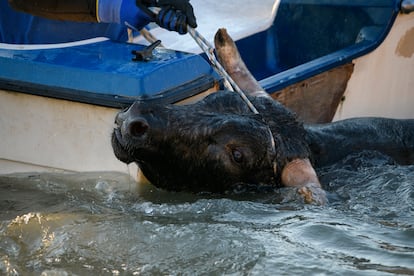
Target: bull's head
(208,146)
(218,143)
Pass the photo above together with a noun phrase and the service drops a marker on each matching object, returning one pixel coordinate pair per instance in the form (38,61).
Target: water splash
(97,224)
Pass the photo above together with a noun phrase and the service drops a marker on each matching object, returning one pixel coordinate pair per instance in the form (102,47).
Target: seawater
(100,224)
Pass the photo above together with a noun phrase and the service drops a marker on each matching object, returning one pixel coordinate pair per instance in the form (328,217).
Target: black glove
(174,15)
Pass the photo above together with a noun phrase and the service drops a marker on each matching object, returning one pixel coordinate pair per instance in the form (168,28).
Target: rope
(229,83)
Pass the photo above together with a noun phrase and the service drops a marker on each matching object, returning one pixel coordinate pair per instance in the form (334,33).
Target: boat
(327,60)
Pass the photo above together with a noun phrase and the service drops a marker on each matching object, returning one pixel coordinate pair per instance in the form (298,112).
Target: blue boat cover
(104,73)
(306,38)
(101,72)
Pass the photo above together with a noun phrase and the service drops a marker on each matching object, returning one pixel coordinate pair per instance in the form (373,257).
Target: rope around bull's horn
(208,49)
(229,83)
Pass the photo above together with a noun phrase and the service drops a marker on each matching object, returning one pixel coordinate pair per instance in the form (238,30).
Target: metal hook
(146,53)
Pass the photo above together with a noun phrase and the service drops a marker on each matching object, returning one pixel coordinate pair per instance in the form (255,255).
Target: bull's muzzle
(131,125)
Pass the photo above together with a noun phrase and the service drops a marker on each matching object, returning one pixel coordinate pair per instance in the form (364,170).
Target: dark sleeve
(72,10)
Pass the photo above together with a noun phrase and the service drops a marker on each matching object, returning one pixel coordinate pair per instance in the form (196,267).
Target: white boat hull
(40,134)
(382,83)
(45,134)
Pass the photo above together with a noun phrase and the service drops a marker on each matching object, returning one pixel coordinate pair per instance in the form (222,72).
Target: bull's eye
(237,155)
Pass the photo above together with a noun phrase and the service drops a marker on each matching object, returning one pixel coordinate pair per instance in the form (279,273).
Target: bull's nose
(136,127)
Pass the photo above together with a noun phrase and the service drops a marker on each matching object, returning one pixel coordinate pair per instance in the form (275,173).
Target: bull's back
(331,142)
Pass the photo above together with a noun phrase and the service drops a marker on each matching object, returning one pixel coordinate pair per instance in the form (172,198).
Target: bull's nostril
(137,128)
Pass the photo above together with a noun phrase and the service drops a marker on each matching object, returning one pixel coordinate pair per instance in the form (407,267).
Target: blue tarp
(307,38)
(99,73)
(22,28)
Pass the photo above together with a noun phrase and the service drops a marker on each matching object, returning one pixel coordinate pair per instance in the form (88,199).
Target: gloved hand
(122,12)
(174,15)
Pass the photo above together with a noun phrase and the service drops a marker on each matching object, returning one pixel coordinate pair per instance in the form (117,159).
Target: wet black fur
(192,148)
(332,142)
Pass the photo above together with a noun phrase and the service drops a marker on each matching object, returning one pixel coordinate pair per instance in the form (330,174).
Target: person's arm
(174,15)
(72,10)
